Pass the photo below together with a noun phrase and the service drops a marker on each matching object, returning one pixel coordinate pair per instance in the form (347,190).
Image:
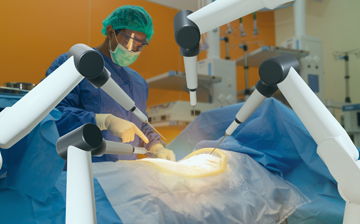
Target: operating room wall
(336,23)
(35,33)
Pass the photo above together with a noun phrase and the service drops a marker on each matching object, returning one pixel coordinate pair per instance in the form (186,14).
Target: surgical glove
(162,152)
(124,129)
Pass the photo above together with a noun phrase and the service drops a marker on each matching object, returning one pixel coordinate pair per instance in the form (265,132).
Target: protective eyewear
(129,41)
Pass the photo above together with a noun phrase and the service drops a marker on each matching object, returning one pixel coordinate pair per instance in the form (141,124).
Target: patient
(275,138)
(225,187)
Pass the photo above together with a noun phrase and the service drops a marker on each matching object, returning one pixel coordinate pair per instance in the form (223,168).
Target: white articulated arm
(120,96)
(77,147)
(221,12)
(189,26)
(335,147)
(18,120)
(254,101)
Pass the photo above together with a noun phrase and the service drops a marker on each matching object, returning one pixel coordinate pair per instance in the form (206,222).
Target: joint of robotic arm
(274,70)
(265,89)
(90,64)
(187,34)
(87,137)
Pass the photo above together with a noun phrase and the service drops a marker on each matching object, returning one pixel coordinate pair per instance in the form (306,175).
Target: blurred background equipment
(352,122)
(339,55)
(20,85)
(311,66)
(17,88)
(217,88)
(256,57)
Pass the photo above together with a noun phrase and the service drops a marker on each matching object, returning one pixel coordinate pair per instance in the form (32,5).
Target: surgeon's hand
(124,129)
(162,152)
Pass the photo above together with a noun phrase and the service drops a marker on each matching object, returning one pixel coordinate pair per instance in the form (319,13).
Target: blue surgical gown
(84,101)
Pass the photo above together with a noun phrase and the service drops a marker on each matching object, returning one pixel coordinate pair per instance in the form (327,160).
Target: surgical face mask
(122,56)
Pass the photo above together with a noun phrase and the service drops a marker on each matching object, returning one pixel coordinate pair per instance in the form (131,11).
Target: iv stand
(345,55)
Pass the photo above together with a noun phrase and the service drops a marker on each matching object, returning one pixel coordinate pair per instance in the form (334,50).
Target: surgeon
(127,30)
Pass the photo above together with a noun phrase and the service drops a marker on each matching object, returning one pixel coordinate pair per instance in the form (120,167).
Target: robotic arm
(189,26)
(83,62)
(77,147)
(335,147)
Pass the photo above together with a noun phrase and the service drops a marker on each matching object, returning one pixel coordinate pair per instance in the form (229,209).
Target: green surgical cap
(132,18)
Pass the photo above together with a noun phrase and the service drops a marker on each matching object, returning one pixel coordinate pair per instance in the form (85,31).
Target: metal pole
(246,68)
(226,39)
(347,77)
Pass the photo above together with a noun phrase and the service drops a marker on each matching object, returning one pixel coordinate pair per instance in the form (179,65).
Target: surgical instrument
(155,129)
(194,117)
(219,143)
